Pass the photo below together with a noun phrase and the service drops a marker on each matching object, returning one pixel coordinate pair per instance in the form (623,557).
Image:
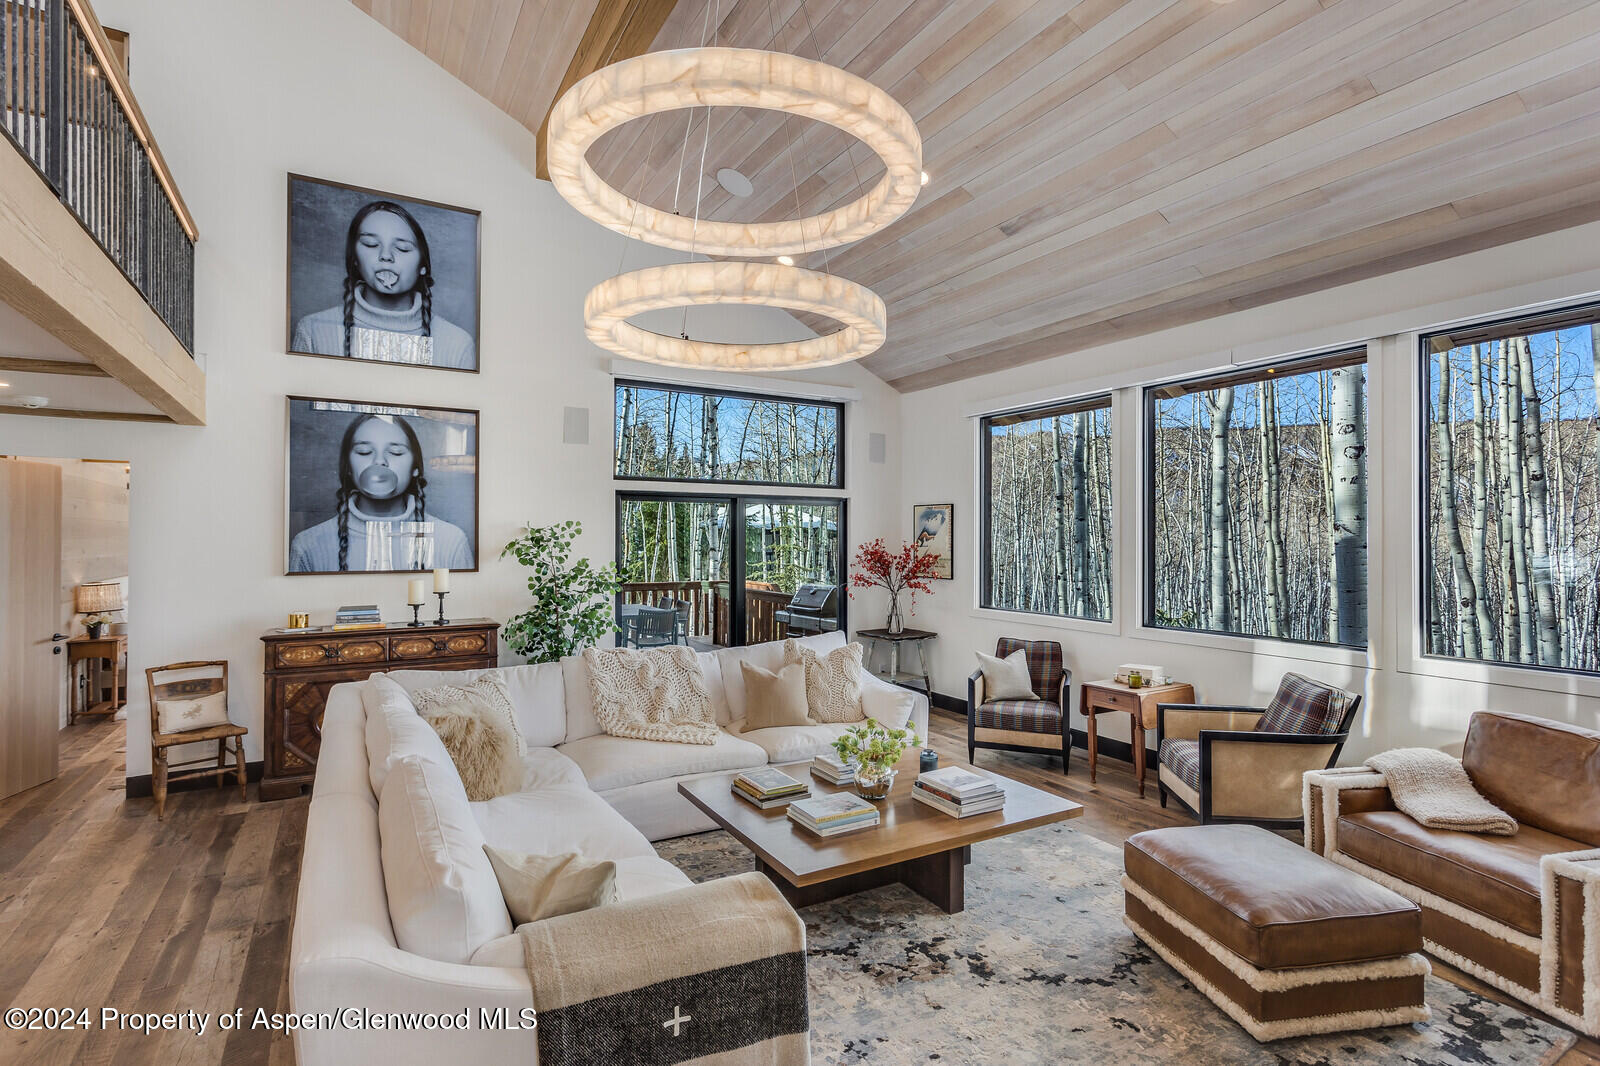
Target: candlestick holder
(416,615)
(441,620)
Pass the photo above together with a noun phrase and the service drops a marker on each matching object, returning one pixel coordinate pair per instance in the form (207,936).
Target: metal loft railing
(66,105)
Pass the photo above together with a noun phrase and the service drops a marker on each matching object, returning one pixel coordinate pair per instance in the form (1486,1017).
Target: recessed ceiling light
(736,183)
(786,260)
(924,177)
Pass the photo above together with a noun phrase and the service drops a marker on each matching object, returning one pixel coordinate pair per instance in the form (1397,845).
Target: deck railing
(66,105)
(709,610)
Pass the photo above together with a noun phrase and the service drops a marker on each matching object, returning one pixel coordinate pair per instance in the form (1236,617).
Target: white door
(31,662)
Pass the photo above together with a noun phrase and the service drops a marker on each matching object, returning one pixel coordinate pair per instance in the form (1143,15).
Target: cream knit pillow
(833,681)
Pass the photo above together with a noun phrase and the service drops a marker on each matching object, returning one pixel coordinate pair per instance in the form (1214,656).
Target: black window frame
(1096,401)
(1476,332)
(1353,355)
(838,482)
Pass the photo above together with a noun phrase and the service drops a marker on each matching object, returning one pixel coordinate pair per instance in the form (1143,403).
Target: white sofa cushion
(563,818)
(544,768)
(538,697)
(444,899)
(394,729)
(890,704)
(768,656)
(612,762)
(793,743)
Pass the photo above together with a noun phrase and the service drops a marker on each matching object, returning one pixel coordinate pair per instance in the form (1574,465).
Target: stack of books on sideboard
(832,815)
(957,792)
(768,788)
(363,616)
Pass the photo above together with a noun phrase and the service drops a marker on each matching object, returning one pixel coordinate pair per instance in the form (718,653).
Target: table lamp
(98,597)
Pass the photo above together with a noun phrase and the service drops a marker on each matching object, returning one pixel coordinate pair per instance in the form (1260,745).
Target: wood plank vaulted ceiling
(1107,168)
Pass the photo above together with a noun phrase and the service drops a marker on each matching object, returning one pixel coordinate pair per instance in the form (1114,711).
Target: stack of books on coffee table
(957,792)
(768,788)
(833,815)
(832,769)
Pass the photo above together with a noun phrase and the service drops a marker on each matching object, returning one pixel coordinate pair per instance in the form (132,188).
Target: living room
(971,300)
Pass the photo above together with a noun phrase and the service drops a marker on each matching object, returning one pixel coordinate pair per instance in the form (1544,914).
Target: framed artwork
(380,488)
(932,530)
(381,277)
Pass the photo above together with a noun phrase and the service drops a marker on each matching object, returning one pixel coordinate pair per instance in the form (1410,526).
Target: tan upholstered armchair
(1245,764)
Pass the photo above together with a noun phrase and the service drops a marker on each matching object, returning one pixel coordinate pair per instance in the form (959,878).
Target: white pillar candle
(416,594)
(441,581)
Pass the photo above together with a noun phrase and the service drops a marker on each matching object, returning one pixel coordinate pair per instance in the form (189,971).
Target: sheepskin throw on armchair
(659,694)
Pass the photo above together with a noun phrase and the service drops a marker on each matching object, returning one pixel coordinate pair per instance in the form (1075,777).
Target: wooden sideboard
(302,667)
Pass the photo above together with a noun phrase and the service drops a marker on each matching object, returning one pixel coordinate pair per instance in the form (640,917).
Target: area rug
(1040,969)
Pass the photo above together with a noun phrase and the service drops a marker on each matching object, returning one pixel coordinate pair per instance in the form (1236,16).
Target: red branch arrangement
(906,570)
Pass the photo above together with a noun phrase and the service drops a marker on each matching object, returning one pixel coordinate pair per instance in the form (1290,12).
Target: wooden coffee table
(914,844)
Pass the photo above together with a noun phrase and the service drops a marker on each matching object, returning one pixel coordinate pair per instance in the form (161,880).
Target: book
(832,769)
(341,627)
(838,806)
(938,803)
(357,612)
(769,802)
(944,793)
(833,829)
(766,783)
(958,783)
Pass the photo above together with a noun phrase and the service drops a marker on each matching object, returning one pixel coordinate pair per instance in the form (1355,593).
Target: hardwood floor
(101,905)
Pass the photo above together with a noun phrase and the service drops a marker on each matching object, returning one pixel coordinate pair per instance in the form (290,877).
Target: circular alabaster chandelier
(658,82)
(856,308)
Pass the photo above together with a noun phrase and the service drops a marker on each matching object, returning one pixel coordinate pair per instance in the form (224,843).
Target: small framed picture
(380,488)
(380,277)
(933,530)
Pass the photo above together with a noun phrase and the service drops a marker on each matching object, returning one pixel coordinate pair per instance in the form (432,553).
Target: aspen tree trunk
(1058,491)
(1517,475)
(1510,620)
(1487,641)
(1098,467)
(1271,509)
(1080,519)
(1325,448)
(625,444)
(1466,590)
(1594,353)
(1349,503)
(1532,432)
(1220,407)
(1558,511)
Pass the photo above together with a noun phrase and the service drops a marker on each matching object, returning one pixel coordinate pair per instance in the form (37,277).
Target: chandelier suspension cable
(794,177)
(700,181)
(688,126)
(849,141)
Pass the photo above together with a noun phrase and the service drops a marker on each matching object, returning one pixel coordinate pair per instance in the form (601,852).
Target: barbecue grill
(812,609)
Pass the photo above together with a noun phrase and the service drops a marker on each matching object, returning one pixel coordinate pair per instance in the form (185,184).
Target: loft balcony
(96,244)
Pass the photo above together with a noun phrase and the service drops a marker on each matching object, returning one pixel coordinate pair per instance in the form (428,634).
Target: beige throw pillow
(483,749)
(180,716)
(833,681)
(772,699)
(544,886)
(1008,678)
(488,689)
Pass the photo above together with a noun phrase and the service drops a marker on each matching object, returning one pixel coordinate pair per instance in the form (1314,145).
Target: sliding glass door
(728,581)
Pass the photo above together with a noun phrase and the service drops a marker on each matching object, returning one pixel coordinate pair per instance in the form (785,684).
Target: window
(1511,520)
(1047,500)
(670,433)
(1257,494)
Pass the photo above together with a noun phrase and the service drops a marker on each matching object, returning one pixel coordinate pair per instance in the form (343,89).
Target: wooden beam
(618,30)
(101,416)
(19,365)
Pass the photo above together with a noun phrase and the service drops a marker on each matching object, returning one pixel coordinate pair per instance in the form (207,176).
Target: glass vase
(895,623)
(873,782)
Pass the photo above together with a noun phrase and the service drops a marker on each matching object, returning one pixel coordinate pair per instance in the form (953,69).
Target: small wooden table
(1099,697)
(88,650)
(914,844)
(916,637)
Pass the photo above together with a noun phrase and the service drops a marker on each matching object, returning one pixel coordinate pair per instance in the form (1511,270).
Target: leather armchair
(1023,725)
(1246,764)
(1521,913)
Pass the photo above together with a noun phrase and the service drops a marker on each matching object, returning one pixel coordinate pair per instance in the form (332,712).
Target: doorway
(726,568)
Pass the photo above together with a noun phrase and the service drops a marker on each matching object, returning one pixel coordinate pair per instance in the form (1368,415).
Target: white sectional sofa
(583,790)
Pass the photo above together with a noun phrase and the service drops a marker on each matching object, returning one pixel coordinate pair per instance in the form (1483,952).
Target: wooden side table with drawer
(1139,704)
(302,667)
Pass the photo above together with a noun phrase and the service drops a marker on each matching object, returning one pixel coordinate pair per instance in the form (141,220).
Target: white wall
(1409,700)
(239,94)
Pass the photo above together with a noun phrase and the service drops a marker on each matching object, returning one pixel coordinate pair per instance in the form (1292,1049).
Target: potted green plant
(873,750)
(572,600)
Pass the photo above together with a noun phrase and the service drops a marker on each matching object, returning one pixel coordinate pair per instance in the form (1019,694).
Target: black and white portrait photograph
(932,531)
(381,277)
(381,488)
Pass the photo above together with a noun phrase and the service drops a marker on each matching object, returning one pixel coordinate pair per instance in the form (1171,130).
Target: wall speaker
(877,447)
(575,425)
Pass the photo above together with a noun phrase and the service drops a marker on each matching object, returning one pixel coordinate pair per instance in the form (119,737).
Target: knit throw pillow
(656,694)
(483,749)
(488,689)
(833,681)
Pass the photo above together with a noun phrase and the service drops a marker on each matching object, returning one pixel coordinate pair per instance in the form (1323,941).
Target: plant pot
(95,630)
(874,783)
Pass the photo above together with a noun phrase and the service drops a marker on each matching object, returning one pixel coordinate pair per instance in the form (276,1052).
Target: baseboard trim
(1111,749)
(141,787)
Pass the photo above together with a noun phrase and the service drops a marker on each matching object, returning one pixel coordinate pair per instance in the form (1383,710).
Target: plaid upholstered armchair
(1023,725)
(1245,764)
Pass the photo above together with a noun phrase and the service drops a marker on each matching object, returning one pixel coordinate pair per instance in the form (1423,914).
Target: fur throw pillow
(488,689)
(657,694)
(833,681)
(483,749)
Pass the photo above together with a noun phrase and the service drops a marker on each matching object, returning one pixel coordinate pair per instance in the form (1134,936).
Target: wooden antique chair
(1246,764)
(191,698)
(1023,725)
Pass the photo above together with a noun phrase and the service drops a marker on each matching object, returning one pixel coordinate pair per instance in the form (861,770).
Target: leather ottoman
(1284,941)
